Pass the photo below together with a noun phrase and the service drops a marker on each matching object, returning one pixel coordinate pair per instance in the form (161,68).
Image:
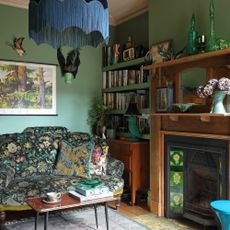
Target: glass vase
(217,102)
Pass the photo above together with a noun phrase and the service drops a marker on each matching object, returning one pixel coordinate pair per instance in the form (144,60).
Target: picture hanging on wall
(27,88)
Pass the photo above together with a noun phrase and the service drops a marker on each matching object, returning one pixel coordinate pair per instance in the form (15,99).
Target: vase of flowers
(217,90)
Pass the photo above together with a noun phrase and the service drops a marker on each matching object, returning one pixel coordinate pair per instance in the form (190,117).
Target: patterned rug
(83,219)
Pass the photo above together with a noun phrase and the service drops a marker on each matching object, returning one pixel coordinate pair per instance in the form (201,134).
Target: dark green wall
(137,27)
(112,35)
(171,19)
(73,100)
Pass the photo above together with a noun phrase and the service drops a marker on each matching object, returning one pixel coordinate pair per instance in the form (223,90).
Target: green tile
(176,179)
(176,158)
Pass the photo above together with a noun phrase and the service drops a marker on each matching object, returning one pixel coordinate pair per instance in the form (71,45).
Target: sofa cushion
(74,160)
(10,151)
(21,188)
(98,164)
(38,155)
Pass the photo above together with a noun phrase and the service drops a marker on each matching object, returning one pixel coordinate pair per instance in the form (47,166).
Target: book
(88,190)
(89,187)
(83,198)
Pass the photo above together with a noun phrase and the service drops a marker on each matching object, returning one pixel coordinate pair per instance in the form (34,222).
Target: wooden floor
(132,211)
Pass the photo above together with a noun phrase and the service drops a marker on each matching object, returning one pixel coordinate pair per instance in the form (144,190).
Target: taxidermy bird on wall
(17,46)
(69,66)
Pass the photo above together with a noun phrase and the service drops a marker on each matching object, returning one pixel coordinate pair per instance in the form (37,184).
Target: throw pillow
(98,164)
(74,160)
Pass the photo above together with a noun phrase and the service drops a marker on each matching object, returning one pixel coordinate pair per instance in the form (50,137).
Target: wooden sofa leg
(118,203)
(2,220)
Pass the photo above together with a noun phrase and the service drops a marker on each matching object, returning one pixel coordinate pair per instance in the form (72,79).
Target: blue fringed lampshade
(73,23)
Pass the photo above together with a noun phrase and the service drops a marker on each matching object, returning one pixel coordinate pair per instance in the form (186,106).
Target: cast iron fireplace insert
(195,174)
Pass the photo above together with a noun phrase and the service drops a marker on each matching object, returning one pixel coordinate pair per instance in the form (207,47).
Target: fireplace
(195,174)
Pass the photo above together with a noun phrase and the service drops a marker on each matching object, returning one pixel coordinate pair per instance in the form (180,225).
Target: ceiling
(119,10)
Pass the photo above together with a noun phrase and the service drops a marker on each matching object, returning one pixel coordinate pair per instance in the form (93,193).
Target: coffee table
(67,202)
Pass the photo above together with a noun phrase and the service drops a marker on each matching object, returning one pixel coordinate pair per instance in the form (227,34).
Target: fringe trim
(58,24)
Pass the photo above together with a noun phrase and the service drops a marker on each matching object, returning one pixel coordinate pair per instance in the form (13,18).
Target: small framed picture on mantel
(164,101)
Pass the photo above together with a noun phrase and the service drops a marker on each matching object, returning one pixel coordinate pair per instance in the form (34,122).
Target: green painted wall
(171,19)
(73,100)
(112,35)
(137,27)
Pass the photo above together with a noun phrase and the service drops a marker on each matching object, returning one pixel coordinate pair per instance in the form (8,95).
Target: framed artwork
(27,88)
(156,51)
(164,99)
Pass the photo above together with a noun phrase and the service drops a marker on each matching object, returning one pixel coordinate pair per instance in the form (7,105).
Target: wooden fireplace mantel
(218,128)
(201,124)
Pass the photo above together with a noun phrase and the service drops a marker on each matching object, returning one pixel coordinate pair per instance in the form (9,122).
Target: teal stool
(222,210)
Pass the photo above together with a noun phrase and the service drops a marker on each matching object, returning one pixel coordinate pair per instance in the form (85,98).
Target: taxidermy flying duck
(17,46)
(70,64)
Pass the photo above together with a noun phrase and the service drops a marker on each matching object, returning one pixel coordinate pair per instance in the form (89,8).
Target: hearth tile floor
(143,216)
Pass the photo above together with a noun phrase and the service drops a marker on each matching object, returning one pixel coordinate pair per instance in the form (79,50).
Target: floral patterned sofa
(43,159)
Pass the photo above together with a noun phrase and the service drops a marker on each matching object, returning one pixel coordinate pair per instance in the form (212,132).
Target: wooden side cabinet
(135,156)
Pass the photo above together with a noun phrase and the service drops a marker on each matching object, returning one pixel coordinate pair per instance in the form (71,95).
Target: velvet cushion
(74,160)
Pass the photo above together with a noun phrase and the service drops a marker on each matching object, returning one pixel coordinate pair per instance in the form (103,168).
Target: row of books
(120,101)
(112,55)
(120,123)
(117,78)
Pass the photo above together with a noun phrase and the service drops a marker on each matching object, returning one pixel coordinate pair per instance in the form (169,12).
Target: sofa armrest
(115,167)
(6,175)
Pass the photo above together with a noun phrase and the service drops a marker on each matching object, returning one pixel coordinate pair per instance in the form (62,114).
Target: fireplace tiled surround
(181,132)
(195,175)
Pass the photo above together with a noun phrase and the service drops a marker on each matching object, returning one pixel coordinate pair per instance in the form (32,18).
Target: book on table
(83,198)
(90,187)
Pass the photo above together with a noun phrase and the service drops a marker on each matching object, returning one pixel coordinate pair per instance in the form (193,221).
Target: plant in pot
(98,116)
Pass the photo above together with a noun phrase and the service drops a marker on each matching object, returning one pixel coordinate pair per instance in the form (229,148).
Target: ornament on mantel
(192,37)
(217,90)
(212,42)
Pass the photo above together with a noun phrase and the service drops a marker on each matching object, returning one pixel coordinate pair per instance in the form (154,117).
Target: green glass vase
(212,42)
(217,102)
(192,37)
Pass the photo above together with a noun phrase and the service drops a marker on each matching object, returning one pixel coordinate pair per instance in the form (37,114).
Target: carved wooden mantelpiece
(201,124)
(192,126)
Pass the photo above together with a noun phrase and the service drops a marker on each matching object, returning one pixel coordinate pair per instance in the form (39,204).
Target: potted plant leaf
(98,116)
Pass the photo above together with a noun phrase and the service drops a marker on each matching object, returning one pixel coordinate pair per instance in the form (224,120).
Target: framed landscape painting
(27,88)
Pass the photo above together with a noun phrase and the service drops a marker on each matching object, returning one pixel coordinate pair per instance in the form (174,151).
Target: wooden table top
(67,201)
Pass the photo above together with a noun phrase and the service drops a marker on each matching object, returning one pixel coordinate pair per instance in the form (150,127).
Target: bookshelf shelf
(144,85)
(126,64)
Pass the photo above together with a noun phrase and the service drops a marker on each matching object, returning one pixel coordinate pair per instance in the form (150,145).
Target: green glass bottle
(192,36)
(212,42)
